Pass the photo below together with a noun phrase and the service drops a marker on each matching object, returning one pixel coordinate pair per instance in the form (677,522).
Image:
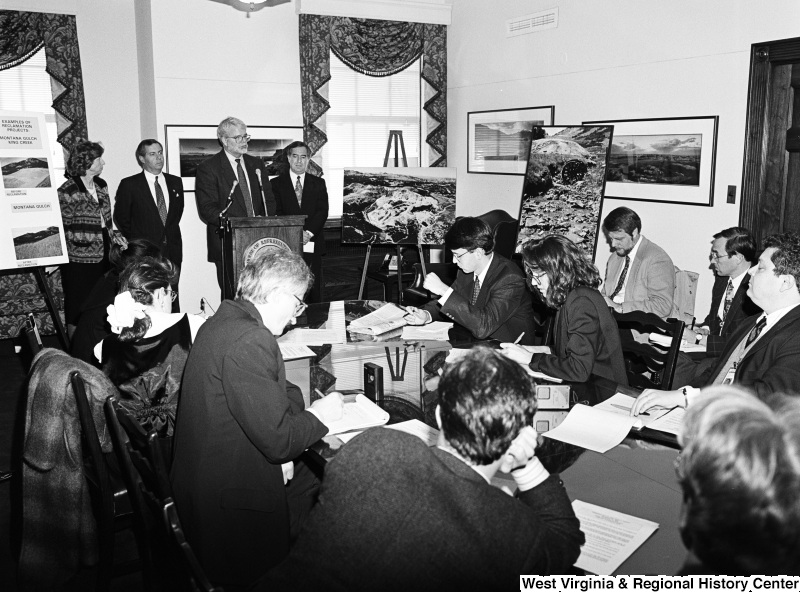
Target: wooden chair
(110,500)
(198,581)
(648,365)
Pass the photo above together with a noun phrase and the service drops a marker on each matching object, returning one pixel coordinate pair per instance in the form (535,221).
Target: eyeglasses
(300,307)
(715,257)
(173,294)
(458,257)
(241,138)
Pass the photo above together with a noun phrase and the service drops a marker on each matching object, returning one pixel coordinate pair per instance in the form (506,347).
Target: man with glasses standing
(231,174)
(489,297)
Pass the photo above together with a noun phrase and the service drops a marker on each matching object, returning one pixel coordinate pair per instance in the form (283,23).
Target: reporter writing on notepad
(586,338)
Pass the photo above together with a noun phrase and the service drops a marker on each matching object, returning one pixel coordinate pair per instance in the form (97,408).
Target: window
(27,88)
(364,109)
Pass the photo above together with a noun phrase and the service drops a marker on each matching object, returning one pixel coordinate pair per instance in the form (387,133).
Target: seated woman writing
(147,353)
(586,336)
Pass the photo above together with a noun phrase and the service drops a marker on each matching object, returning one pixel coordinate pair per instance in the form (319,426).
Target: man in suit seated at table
(396,514)
(764,353)
(639,275)
(489,296)
(299,192)
(745,520)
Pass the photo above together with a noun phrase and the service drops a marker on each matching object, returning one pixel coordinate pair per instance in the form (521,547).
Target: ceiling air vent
(531,23)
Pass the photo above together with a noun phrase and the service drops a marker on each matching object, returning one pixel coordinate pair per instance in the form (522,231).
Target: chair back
(504,227)
(648,365)
(194,572)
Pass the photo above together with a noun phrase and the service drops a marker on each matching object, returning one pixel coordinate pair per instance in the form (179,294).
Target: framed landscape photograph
(670,159)
(189,145)
(498,141)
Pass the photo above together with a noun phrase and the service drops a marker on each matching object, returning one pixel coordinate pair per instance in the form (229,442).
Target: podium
(243,238)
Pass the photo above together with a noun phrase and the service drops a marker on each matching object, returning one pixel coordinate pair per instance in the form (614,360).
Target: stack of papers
(387,317)
(294,351)
(312,337)
(436,331)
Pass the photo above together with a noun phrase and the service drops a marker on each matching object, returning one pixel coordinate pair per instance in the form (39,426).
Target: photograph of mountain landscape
(20,172)
(564,183)
(498,141)
(669,160)
(398,206)
(37,242)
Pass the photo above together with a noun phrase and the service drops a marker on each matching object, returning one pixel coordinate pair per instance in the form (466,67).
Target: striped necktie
(248,200)
(160,202)
(476,289)
(622,277)
(298,191)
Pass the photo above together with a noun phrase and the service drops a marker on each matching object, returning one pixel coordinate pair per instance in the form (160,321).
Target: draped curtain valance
(22,34)
(374,48)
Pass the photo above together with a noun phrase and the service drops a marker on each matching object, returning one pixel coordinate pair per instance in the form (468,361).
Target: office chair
(648,365)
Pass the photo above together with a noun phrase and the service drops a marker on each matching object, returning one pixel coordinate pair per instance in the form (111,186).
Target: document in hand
(611,537)
(358,415)
(621,405)
(387,317)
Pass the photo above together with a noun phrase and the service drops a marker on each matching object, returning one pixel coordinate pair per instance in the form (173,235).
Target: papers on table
(312,337)
(671,422)
(293,351)
(456,354)
(621,405)
(666,341)
(592,428)
(611,537)
(387,317)
(416,428)
(358,415)
(436,331)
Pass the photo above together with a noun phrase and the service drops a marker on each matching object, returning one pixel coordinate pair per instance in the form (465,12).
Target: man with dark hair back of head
(149,206)
(240,486)
(489,296)
(639,274)
(396,514)
(298,192)
(764,353)
(739,468)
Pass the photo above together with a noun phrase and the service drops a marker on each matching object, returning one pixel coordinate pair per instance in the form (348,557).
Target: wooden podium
(244,237)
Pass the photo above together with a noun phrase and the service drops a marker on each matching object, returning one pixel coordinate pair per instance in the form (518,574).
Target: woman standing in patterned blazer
(86,211)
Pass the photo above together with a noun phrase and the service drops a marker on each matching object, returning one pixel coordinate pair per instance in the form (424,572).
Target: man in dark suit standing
(489,297)
(231,174)
(150,205)
(298,192)
(396,514)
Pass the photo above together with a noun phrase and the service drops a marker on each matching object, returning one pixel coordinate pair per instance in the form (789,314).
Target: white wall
(617,59)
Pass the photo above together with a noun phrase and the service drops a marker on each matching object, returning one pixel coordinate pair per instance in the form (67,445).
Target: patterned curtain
(374,48)
(22,34)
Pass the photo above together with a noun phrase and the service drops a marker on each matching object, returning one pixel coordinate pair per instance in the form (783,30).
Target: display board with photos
(31,228)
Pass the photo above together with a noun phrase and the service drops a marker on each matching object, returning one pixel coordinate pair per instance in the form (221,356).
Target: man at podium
(231,179)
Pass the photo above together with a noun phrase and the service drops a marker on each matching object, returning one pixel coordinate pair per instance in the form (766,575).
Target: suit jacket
(136,213)
(741,309)
(395,514)
(771,365)
(213,184)
(315,204)
(504,308)
(586,341)
(238,420)
(651,280)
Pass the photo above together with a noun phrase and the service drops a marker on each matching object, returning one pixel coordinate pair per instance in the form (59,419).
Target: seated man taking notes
(764,353)
(488,298)
(395,514)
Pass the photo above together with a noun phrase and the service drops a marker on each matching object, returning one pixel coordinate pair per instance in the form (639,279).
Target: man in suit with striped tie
(149,206)
(763,355)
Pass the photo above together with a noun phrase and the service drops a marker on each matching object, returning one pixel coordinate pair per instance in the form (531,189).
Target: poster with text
(31,230)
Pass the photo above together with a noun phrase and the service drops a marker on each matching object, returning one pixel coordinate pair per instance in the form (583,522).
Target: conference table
(637,477)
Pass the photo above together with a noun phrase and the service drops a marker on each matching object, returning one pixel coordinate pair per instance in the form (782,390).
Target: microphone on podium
(230,199)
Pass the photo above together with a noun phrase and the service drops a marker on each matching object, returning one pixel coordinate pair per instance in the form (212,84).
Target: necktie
(248,201)
(728,299)
(476,289)
(622,277)
(762,322)
(162,205)
(298,191)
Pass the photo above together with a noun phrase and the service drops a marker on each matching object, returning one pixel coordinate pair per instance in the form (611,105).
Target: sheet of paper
(670,422)
(611,537)
(293,351)
(416,428)
(621,405)
(437,331)
(385,314)
(665,341)
(347,436)
(312,337)
(592,428)
(358,415)
(308,247)
(542,375)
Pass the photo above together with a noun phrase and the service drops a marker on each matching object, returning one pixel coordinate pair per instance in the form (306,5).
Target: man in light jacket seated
(395,514)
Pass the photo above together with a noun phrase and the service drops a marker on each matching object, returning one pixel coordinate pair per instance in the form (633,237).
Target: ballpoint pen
(521,335)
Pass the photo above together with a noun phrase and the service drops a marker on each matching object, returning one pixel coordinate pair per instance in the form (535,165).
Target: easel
(395,136)
(41,279)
